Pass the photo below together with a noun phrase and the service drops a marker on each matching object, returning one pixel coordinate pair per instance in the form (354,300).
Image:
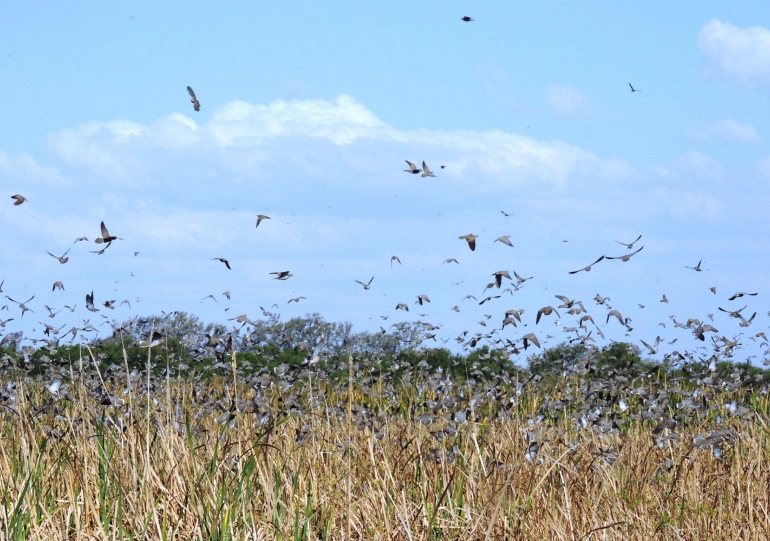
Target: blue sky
(308,113)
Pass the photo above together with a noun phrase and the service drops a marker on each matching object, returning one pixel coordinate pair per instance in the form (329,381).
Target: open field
(299,454)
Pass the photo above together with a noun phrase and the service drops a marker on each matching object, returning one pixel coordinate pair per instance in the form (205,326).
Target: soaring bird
(18,199)
(467,19)
(633,89)
(426,172)
(505,239)
(741,294)
(471,239)
(629,245)
(223,260)
(626,257)
(499,275)
(282,275)
(394,258)
(62,259)
(366,285)
(412,168)
(588,268)
(194,100)
(422,298)
(261,217)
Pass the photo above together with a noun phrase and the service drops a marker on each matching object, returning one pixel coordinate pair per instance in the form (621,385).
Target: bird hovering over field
(18,199)
(194,100)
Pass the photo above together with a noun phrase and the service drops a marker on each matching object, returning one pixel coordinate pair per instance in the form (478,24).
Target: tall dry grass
(159,466)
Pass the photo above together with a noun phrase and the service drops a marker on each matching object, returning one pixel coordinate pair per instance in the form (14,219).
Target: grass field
(314,458)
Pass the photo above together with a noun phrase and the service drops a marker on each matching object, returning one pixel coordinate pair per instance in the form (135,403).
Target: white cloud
(727,131)
(568,101)
(743,53)
(242,138)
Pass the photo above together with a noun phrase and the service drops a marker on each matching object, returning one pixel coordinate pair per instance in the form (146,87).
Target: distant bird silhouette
(741,294)
(394,258)
(366,285)
(587,268)
(223,260)
(261,217)
(629,245)
(626,257)
(282,275)
(633,89)
(467,19)
(18,199)
(696,268)
(194,100)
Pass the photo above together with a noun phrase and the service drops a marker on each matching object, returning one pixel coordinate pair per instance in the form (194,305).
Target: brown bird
(499,277)
(261,217)
(588,268)
(194,100)
(223,260)
(545,311)
(471,239)
(530,338)
(18,199)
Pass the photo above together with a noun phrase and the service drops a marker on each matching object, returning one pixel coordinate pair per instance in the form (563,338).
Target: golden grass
(74,469)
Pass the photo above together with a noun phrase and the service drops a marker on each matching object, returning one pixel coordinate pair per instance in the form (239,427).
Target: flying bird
(394,258)
(629,245)
(588,268)
(467,19)
(451,260)
(471,239)
(626,257)
(426,172)
(505,239)
(422,298)
(545,311)
(223,260)
(194,100)
(261,217)
(106,238)
(282,275)
(741,294)
(18,199)
(62,259)
(57,285)
(633,89)
(90,302)
(696,268)
(366,285)
(412,168)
